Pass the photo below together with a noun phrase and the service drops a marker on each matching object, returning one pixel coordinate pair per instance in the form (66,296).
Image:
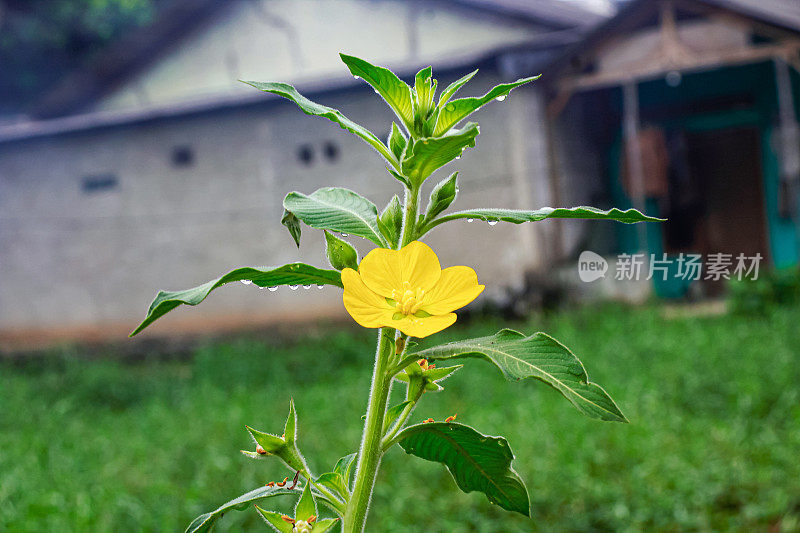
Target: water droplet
(294,287)
(345,235)
(245,281)
(320,287)
(376,91)
(261,288)
(470,219)
(492,222)
(458,157)
(306,287)
(272,289)
(356,78)
(450,107)
(501,98)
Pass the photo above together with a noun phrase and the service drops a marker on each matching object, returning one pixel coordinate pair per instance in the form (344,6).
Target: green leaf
(336,209)
(397,141)
(205,522)
(306,507)
(451,89)
(292,223)
(391,88)
(518,216)
(312,108)
(457,110)
(291,274)
(321,526)
(290,428)
(344,465)
(399,177)
(538,356)
(477,462)
(429,154)
(341,254)
(334,481)
(392,413)
(275,521)
(442,196)
(391,221)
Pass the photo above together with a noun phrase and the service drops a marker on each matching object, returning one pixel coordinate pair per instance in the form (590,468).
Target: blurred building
(154,168)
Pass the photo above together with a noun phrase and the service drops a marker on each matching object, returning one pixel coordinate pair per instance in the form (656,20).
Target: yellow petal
(367,308)
(384,271)
(422,327)
(457,286)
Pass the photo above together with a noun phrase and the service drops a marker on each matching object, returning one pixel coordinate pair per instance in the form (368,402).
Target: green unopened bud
(391,221)
(341,254)
(442,196)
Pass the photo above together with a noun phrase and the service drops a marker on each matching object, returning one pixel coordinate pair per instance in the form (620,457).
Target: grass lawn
(713,444)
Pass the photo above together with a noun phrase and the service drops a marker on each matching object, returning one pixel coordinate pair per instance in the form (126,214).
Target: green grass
(713,443)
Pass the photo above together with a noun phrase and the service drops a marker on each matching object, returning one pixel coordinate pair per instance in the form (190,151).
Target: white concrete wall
(69,259)
(299,40)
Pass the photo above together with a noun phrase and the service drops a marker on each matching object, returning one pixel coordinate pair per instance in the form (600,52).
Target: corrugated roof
(557,13)
(785,13)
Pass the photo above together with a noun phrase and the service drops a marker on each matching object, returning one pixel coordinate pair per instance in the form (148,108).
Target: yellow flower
(406,289)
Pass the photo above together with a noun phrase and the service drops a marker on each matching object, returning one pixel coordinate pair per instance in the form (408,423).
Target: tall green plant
(400,289)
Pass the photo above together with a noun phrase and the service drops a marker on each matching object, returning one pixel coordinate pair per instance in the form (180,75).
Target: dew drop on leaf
(345,235)
(492,222)
(450,107)
(470,219)
(272,289)
(294,287)
(306,287)
(320,287)
(245,281)
(501,98)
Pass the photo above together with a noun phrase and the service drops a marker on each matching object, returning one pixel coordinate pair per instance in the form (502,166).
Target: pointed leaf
(442,196)
(391,88)
(519,216)
(538,356)
(392,413)
(275,521)
(457,110)
(290,428)
(312,108)
(344,465)
(391,221)
(477,462)
(293,225)
(337,209)
(451,89)
(334,481)
(306,507)
(291,274)
(321,526)
(340,253)
(205,522)
(429,154)
(397,141)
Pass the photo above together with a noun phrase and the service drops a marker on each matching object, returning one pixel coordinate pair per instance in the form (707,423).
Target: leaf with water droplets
(312,108)
(538,356)
(166,301)
(477,462)
(457,110)
(392,89)
(429,154)
(520,216)
(337,209)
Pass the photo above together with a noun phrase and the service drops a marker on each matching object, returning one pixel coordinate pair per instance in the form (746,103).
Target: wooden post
(789,153)
(635,167)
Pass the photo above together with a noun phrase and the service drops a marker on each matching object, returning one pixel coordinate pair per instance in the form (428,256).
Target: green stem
(369,457)
(410,217)
(401,420)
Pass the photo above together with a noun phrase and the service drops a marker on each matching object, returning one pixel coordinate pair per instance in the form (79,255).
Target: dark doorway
(716,198)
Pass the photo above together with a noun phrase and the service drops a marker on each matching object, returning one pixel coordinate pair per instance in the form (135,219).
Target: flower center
(301,526)
(408,301)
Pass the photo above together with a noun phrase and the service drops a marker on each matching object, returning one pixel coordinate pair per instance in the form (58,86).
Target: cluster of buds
(300,526)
